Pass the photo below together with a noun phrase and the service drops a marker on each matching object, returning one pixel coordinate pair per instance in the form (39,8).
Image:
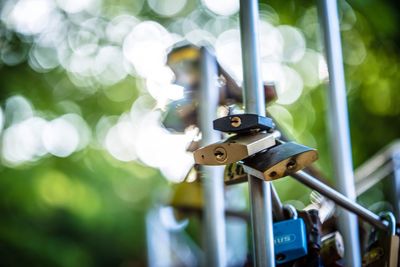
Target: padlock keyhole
(291,164)
(220,154)
(236,122)
(280,257)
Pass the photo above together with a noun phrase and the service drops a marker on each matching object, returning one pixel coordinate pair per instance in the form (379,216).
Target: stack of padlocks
(307,237)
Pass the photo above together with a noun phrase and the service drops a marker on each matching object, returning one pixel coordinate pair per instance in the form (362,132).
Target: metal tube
(362,185)
(377,168)
(339,128)
(159,247)
(395,182)
(212,176)
(376,162)
(340,199)
(277,206)
(253,94)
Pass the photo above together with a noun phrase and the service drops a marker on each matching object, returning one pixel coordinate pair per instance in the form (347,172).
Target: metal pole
(159,247)
(377,168)
(339,128)
(212,175)
(395,182)
(340,199)
(277,206)
(253,94)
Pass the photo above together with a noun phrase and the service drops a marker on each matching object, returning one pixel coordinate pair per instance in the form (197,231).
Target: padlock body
(233,149)
(394,251)
(275,162)
(243,123)
(290,240)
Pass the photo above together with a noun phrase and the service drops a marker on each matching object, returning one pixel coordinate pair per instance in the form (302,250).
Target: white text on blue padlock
(290,239)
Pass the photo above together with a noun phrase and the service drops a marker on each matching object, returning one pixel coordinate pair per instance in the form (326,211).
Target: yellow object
(188,195)
(183,53)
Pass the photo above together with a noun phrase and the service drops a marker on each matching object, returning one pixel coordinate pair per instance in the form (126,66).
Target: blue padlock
(290,240)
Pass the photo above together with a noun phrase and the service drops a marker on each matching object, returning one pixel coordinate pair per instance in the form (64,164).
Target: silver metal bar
(212,176)
(395,182)
(339,128)
(277,206)
(159,247)
(340,199)
(378,167)
(253,94)
(377,161)
(371,180)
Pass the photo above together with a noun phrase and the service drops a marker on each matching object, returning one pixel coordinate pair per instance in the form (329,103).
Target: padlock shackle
(291,211)
(388,217)
(341,200)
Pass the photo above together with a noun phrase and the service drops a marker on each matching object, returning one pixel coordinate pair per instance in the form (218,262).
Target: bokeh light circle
(271,42)
(108,66)
(60,137)
(167,8)
(229,53)
(75,6)
(17,109)
(30,16)
(120,140)
(288,83)
(222,7)
(19,147)
(294,43)
(146,46)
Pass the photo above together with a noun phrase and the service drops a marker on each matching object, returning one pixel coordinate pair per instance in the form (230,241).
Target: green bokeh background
(88,209)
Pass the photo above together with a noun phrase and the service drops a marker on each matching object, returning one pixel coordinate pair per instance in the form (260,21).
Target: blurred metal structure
(340,199)
(254,100)
(215,249)
(386,162)
(339,128)
(167,242)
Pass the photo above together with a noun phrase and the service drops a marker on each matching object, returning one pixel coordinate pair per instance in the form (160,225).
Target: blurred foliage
(88,209)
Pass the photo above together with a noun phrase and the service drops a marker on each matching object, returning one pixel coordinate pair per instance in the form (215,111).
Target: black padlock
(243,123)
(279,161)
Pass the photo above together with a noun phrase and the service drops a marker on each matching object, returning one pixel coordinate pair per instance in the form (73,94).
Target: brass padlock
(332,248)
(279,161)
(394,240)
(233,149)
